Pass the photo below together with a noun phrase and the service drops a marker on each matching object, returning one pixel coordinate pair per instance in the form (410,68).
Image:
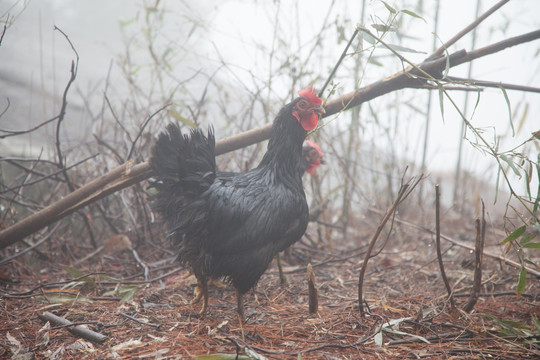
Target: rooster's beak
(319,110)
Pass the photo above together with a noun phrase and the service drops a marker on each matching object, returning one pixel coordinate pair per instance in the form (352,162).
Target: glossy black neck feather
(284,154)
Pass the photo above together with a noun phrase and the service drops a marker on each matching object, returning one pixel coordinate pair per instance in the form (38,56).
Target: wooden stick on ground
(313,293)
(79,330)
(478,252)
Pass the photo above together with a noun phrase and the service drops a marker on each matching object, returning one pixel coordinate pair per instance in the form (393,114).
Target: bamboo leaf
(528,179)
(522,281)
(388,7)
(526,238)
(373,61)
(511,164)
(497,180)
(532,246)
(182,119)
(77,274)
(382,27)
(536,323)
(535,207)
(447,66)
(413,14)
(514,234)
(523,118)
(127,292)
(441,99)
(399,48)
(509,109)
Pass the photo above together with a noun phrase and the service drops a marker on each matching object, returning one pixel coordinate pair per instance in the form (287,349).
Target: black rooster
(233,226)
(312,158)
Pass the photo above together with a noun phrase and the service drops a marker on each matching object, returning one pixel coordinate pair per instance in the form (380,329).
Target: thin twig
(142,129)
(20,132)
(140,262)
(4,30)
(438,241)
(404,191)
(6,108)
(139,321)
(61,116)
(466,30)
(45,177)
(492,84)
(343,54)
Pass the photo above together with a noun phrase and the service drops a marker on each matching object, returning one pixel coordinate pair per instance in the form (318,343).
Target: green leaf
(373,61)
(497,181)
(441,99)
(532,246)
(391,9)
(528,180)
(447,66)
(382,27)
(63,297)
(399,48)
(127,292)
(536,323)
(526,238)
(182,119)
(509,109)
(370,39)
(522,281)
(514,234)
(77,274)
(74,272)
(511,164)
(413,14)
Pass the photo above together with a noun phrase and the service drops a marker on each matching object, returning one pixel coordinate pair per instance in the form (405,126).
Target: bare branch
(492,84)
(19,132)
(466,30)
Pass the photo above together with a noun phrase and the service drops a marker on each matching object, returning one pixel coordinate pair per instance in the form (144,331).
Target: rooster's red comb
(311,95)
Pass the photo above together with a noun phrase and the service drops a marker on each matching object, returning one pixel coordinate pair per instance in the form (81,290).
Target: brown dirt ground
(402,284)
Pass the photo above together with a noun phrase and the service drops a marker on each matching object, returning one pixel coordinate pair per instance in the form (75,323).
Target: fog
(229,42)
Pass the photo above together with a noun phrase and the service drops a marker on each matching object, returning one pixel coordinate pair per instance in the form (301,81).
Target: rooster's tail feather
(184,167)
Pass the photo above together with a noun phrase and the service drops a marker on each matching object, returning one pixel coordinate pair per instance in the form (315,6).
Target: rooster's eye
(303,104)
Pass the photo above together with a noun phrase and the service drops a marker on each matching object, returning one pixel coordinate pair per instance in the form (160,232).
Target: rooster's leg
(282,277)
(201,292)
(240,304)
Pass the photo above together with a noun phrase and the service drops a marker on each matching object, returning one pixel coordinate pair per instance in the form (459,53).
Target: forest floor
(408,314)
